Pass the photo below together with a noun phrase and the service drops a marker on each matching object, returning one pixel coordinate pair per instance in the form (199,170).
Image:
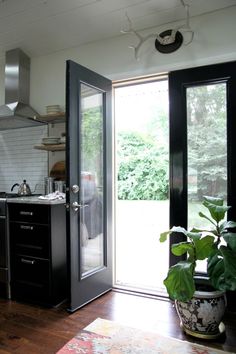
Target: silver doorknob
(75,206)
(75,188)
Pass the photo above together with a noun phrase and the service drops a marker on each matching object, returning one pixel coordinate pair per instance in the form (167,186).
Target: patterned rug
(108,337)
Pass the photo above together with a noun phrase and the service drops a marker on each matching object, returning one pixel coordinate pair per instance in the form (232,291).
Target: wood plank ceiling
(42,27)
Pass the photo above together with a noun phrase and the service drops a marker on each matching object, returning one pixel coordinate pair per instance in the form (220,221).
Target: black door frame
(179,81)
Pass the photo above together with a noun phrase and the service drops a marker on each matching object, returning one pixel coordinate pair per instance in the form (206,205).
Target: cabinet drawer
(31,292)
(30,239)
(31,271)
(29,213)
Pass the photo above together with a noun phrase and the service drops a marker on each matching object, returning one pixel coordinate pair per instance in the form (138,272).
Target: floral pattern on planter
(202,315)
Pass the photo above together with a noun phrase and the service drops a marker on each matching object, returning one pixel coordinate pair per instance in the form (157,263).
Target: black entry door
(89,206)
(202,142)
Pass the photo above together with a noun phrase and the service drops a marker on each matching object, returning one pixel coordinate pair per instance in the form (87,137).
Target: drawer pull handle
(30,213)
(27,261)
(22,245)
(26,227)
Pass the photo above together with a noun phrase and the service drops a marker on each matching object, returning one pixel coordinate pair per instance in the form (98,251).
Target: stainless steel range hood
(17,113)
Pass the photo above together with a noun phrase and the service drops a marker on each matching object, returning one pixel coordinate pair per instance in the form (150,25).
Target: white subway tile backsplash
(19,160)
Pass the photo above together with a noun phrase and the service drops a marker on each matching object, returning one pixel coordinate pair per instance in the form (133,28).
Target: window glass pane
(207,148)
(92,177)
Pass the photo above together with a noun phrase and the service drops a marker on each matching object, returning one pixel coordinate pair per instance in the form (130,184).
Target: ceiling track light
(167,41)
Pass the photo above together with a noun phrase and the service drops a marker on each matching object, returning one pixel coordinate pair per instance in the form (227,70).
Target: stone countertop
(35,200)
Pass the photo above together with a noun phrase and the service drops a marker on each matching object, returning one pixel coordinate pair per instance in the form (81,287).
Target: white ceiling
(42,27)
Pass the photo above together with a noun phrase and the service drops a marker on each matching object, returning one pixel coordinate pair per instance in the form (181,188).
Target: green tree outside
(143,161)
(207,154)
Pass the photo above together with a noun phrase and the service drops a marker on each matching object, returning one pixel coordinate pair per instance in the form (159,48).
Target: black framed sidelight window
(202,148)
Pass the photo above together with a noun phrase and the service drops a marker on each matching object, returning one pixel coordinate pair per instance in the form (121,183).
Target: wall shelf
(53,118)
(57,147)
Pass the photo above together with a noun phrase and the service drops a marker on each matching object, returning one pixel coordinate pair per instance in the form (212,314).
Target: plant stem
(218,234)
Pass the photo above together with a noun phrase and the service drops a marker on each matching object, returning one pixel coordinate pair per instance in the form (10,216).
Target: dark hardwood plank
(33,329)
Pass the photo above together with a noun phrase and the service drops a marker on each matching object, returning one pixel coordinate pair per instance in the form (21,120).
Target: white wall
(19,159)
(214,42)
(53,157)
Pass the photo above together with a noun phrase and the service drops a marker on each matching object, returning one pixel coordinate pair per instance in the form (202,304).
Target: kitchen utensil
(59,186)
(48,185)
(51,140)
(24,188)
(53,109)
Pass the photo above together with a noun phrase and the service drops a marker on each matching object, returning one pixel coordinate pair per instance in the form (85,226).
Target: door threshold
(141,294)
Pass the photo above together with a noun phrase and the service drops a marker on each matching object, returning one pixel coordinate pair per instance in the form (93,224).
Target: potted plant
(200,301)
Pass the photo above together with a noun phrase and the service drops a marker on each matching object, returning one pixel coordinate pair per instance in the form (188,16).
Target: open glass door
(89,205)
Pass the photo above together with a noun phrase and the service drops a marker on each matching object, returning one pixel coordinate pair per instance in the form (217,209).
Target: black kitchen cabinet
(38,252)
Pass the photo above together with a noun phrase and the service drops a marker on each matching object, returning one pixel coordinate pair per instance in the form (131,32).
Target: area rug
(108,337)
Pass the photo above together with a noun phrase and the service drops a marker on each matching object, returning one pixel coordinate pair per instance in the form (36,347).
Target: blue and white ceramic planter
(201,316)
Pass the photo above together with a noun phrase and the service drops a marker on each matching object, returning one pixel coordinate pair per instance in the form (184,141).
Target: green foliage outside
(143,161)
(92,142)
(143,168)
(143,156)
(206,107)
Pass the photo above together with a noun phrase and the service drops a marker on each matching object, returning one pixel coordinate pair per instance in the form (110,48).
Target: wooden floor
(29,329)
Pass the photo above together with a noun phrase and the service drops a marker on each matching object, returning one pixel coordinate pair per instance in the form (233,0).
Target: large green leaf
(229,258)
(191,234)
(179,282)
(222,269)
(163,236)
(214,200)
(215,270)
(178,249)
(178,229)
(230,239)
(204,247)
(206,217)
(227,225)
(200,231)
(217,212)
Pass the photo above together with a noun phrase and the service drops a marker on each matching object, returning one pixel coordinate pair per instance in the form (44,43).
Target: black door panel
(89,206)
(179,82)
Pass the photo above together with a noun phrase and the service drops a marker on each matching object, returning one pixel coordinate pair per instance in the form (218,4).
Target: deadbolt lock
(75,188)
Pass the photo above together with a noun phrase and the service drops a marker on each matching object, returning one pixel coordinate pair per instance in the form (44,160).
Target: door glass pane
(91,180)
(207,148)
